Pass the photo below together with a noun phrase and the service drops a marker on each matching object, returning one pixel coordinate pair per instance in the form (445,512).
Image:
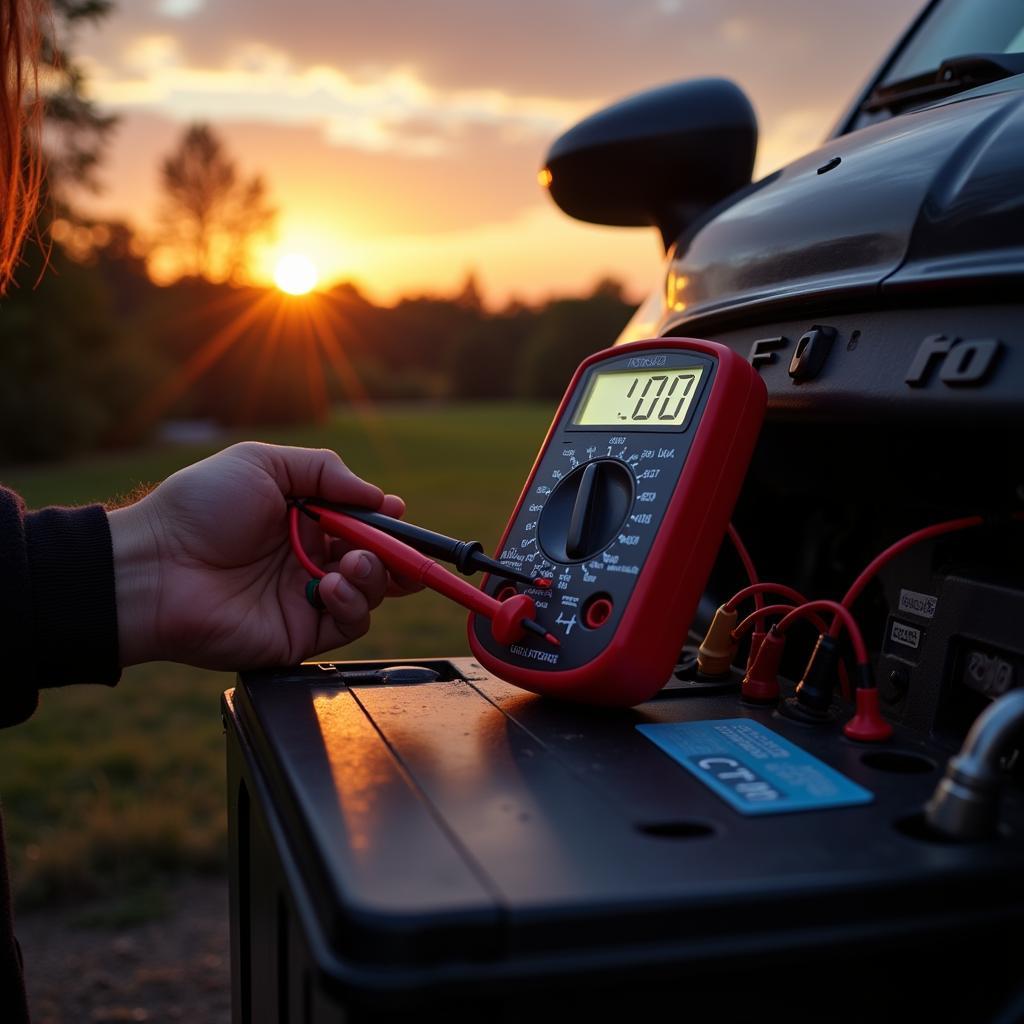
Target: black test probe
(466,555)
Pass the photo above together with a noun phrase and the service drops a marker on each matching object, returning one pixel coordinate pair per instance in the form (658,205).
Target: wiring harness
(812,700)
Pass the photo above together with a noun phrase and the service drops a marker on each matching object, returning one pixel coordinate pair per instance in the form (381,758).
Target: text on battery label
(901,633)
(744,782)
(918,604)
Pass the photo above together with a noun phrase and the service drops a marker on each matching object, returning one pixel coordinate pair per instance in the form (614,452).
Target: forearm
(136,574)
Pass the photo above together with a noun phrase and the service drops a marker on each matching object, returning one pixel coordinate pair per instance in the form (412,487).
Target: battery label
(905,634)
(752,768)
(918,604)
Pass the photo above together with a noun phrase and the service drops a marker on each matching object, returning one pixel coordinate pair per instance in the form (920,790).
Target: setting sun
(295,274)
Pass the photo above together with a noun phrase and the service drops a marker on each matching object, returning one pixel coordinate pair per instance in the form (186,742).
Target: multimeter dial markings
(585,510)
(587,525)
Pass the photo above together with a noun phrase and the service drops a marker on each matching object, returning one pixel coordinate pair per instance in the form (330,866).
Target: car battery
(460,849)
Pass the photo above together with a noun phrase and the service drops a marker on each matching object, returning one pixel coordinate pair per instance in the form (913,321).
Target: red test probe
(466,555)
(509,619)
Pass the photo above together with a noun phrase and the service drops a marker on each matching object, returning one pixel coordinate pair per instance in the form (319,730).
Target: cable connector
(813,700)
(761,683)
(867,724)
(718,648)
(756,639)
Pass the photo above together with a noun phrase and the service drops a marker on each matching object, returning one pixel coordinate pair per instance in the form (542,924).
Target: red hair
(20,110)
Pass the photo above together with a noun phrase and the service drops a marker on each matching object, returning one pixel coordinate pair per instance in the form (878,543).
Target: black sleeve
(58,610)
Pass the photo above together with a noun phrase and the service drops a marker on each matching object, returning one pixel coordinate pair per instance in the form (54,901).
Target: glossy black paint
(871,373)
(921,199)
(659,158)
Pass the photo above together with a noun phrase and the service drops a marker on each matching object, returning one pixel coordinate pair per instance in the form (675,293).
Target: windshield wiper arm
(956,74)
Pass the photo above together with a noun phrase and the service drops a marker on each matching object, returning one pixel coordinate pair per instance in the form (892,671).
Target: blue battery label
(754,769)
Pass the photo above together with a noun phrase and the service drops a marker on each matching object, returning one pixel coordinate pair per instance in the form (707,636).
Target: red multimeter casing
(624,511)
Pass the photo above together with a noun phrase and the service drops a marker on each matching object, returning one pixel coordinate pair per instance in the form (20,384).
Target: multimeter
(622,516)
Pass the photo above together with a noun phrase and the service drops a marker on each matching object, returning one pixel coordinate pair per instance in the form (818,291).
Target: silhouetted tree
(76,130)
(566,331)
(252,216)
(469,296)
(485,360)
(210,215)
(73,370)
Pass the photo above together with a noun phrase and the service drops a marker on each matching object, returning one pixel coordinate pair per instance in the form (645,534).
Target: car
(448,844)
(877,284)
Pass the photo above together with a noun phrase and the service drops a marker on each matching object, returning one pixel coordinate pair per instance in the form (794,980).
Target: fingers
(367,574)
(378,582)
(395,586)
(393,506)
(310,472)
(350,595)
(345,604)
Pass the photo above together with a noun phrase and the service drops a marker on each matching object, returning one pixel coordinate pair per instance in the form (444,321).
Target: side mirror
(661,157)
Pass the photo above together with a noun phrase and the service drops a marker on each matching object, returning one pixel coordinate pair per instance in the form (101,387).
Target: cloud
(180,8)
(486,179)
(573,49)
(394,112)
(408,77)
(400,119)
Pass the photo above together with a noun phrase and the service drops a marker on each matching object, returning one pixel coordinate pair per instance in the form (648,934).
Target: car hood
(915,201)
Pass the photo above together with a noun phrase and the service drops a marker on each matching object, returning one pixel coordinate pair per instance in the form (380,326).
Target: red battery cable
(843,617)
(755,590)
(748,562)
(926,533)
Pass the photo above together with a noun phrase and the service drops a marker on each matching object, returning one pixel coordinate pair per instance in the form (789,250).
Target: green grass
(106,791)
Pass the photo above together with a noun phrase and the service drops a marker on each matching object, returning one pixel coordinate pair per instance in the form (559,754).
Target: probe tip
(535,627)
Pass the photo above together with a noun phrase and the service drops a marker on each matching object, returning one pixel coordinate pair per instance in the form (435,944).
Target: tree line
(94,354)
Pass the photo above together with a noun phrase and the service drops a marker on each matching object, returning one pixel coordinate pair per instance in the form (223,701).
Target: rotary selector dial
(586,510)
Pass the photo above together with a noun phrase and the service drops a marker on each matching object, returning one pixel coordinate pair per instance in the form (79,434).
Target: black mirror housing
(659,158)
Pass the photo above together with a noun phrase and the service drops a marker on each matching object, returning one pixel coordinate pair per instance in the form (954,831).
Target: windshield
(959,27)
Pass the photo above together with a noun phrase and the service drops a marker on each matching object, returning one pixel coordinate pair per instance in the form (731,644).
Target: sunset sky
(401,138)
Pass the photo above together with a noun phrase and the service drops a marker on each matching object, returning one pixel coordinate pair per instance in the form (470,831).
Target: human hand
(205,574)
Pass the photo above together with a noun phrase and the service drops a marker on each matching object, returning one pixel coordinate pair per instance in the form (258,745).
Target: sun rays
(255,340)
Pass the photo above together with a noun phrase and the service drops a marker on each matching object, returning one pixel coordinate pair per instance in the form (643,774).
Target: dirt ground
(171,969)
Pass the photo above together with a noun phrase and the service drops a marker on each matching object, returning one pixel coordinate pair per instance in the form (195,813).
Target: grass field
(105,792)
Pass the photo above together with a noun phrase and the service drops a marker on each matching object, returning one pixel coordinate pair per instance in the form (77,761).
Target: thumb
(311,472)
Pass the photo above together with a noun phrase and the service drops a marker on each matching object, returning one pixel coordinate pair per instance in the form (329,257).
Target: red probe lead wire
(300,553)
(508,618)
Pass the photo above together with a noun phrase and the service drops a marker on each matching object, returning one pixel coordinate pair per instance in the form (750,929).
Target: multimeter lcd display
(655,398)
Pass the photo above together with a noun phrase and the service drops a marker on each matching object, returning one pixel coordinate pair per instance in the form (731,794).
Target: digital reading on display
(656,398)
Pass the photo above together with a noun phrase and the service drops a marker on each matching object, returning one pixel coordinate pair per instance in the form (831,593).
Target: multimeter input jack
(505,592)
(597,610)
